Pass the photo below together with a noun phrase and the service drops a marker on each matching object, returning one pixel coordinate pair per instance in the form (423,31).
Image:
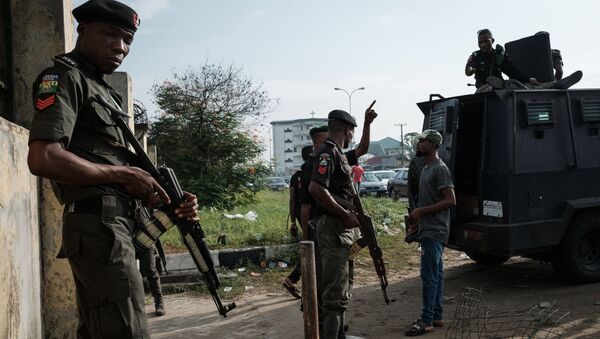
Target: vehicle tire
(487,259)
(396,195)
(577,259)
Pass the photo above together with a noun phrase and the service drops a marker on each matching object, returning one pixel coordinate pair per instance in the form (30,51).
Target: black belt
(95,205)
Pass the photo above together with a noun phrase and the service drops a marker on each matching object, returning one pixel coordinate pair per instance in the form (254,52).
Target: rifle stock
(164,218)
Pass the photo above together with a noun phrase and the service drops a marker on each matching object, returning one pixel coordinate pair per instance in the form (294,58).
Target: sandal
(418,328)
(292,289)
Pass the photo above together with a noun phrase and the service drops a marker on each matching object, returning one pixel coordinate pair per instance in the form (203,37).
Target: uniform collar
(84,63)
(332,142)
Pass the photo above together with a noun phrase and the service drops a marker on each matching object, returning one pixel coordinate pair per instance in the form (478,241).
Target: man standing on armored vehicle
(492,62)
(488,64)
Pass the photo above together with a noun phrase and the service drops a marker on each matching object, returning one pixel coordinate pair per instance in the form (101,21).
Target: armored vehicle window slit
(590,110)
(540,113)
(437,120)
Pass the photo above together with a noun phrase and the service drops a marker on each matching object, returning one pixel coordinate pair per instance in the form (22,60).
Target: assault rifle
(369,238)
(164,218)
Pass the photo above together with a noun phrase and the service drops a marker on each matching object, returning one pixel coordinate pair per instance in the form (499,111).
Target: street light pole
(349,96)
(401,143)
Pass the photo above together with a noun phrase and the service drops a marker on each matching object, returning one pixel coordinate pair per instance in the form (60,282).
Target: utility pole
(401,143)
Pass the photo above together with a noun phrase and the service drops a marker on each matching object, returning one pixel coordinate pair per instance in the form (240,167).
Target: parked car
(398,185)
(384,175)
(372,185)
(276,183)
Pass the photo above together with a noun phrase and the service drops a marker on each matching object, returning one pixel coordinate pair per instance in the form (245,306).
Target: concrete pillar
(122,83)
(40,30)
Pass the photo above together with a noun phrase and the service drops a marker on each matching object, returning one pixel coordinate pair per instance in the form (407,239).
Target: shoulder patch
(323,159)
(48,83)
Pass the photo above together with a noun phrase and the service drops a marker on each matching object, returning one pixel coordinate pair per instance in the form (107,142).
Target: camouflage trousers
(110,295)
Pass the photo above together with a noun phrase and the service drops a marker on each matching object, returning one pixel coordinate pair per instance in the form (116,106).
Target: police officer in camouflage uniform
(492,62)
(75,143)
(331,175)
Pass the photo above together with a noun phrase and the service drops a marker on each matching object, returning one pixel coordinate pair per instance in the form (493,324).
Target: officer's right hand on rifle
(350,220)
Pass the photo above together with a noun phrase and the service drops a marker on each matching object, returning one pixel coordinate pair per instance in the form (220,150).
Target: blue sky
(400,51)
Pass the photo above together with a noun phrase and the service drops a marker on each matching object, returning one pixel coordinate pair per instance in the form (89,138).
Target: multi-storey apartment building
(289,136)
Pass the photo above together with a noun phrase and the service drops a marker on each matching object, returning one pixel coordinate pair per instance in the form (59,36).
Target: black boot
(158,296)
(569,81)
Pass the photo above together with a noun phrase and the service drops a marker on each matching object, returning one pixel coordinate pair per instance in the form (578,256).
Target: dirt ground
(509,292)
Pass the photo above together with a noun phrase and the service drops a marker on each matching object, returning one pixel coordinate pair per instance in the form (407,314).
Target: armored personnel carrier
(526,165)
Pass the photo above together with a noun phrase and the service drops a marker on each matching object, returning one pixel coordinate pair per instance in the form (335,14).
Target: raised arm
(363,145)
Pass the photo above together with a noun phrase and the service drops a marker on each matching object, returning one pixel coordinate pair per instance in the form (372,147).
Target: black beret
(319,129)
(306,151)
(108,11)
(342,116)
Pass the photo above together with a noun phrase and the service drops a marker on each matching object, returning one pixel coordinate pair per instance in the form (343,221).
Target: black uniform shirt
(332,170)
(67,111)
(494,64)
(306,175)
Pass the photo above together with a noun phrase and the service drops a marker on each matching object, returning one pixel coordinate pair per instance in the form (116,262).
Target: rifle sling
(343,202)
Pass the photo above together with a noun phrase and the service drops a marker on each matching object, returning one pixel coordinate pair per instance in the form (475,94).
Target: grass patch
(271,225)
(271,207)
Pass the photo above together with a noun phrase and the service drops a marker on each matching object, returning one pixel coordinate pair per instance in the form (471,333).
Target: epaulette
(64,61)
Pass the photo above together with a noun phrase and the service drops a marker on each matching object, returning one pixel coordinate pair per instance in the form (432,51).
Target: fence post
(309,290)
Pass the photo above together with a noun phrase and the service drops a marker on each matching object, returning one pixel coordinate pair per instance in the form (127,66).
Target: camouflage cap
(431,135)
(319,129)
(109,11)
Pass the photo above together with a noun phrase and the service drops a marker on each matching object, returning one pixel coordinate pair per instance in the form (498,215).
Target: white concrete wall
(20,270)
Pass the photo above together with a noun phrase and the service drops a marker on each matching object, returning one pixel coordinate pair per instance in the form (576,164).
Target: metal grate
(474,319)
(437,120)
(590,110)
(540,112)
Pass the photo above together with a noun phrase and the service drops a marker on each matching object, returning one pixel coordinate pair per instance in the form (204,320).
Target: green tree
(206,132)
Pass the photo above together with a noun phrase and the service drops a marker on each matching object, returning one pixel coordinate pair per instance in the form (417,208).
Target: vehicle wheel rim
(589,251)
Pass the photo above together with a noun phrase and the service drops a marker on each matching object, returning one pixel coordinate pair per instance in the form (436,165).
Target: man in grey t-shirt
(436,197)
